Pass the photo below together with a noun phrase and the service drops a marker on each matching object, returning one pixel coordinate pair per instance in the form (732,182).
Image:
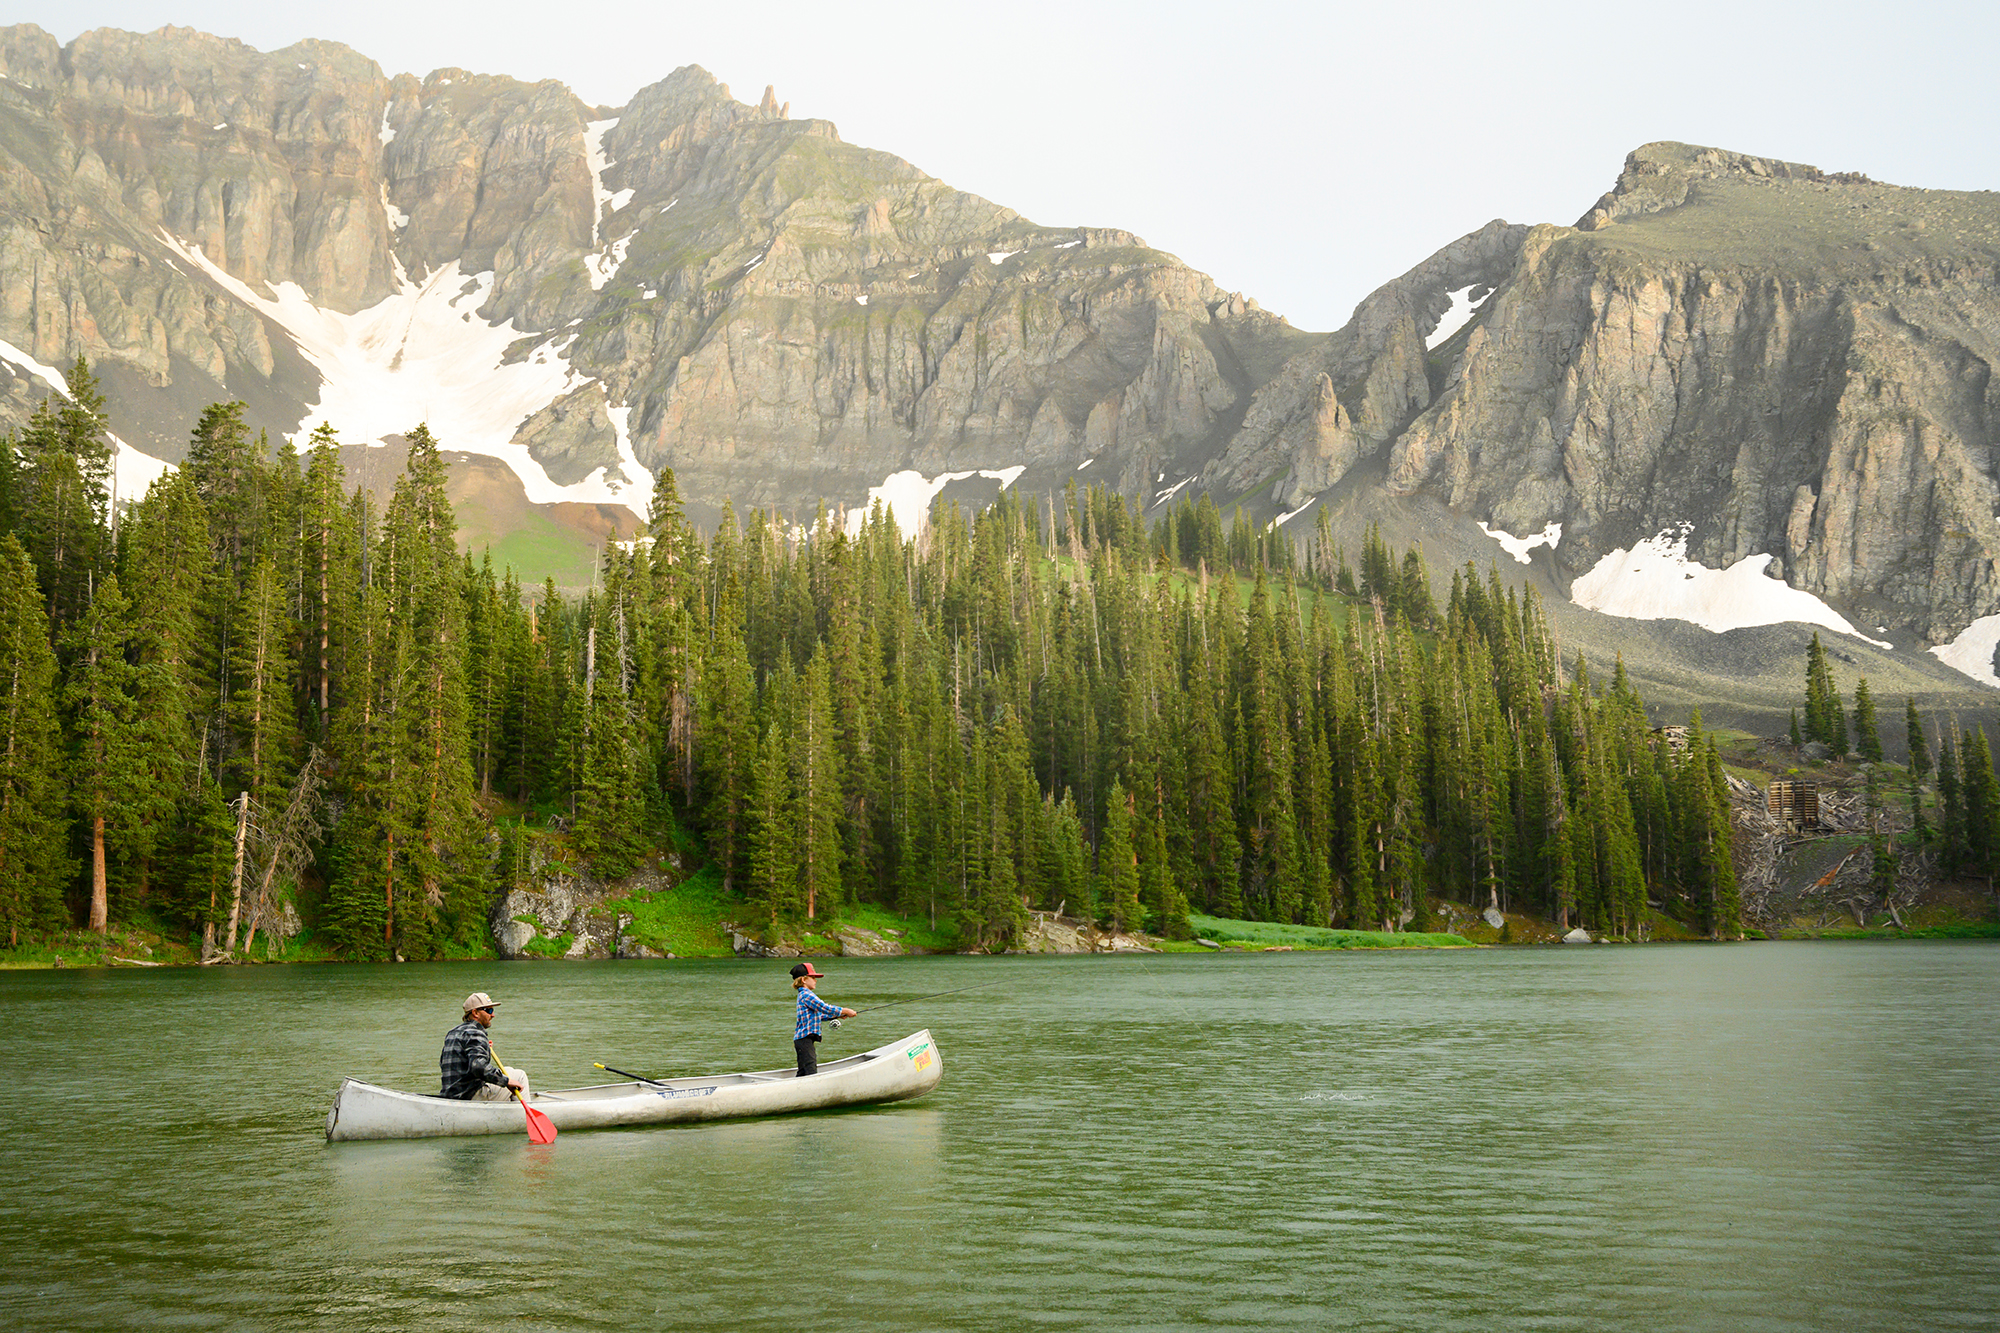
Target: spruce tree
(103,761)
(1982,807)
(1867,743)
(1951,807)
(33,862)
(1118,864)
(1920,753)
(816,778)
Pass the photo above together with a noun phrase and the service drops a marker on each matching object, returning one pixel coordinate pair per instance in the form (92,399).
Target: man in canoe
(466,1067)
(805,1032)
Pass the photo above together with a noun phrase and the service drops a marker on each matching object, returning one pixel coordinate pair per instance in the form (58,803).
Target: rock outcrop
(1795,363)
(779,316)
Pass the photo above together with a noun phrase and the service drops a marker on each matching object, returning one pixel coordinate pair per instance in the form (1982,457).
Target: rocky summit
(1779,361)
(590,294)
(1754,368)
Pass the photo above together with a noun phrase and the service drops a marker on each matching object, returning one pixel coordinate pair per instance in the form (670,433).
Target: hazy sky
(1302,153)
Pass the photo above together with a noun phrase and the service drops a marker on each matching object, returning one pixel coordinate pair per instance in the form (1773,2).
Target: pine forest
(259,687)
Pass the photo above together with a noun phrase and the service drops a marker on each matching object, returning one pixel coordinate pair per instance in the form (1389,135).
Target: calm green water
(1796,1136)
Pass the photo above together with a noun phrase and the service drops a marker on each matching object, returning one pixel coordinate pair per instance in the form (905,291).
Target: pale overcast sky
(1302,153)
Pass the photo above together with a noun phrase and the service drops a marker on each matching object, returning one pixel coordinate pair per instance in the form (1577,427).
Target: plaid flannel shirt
(466,1062)
(811,1010)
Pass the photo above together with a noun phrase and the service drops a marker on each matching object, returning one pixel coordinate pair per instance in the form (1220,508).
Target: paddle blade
(541,1129)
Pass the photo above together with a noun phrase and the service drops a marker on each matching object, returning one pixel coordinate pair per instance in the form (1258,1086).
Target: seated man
(466,1066)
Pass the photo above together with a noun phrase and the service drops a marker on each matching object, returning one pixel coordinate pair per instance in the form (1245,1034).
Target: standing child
(805,1033)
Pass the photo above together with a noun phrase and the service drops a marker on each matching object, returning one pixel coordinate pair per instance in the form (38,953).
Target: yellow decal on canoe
(921,1055)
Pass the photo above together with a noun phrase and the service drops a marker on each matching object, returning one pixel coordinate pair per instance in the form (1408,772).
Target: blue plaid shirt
(811,1010)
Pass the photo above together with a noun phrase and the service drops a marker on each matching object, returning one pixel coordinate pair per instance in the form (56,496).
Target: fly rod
(891,1004)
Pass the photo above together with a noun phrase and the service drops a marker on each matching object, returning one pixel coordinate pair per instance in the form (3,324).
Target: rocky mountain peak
(1659,176)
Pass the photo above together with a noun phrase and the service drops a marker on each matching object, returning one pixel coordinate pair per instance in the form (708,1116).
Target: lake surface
(1750,1137)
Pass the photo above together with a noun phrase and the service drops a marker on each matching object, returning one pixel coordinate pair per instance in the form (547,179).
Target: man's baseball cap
(479,999)
(806,970)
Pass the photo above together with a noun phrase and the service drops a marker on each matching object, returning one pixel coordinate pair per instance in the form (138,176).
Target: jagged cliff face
(1797,364)
(1792,364)
(779,316)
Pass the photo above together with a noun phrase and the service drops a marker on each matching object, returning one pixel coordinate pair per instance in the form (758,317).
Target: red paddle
(541,1129)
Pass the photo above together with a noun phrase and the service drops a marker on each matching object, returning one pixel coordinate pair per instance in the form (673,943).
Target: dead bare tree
(287,847)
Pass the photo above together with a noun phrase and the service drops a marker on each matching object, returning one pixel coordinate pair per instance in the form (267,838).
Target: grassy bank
(1232,934)
(1958,930)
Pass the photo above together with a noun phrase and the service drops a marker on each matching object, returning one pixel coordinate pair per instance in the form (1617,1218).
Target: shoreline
(60,960)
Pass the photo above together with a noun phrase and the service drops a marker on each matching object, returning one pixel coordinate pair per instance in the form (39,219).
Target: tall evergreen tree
(1920,753)
(103,761)
(1867,741)
(32,857)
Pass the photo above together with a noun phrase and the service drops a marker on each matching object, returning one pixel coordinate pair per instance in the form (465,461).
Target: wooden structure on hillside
(1793,803)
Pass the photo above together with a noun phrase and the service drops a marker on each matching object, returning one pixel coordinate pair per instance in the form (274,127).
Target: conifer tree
(32,857)
(1867,743)
(1951,807)
(1118,864)
(771,872)
(1920,754)
(1982,807)
(62,514)
(168,567)
(815,761)
(103,761)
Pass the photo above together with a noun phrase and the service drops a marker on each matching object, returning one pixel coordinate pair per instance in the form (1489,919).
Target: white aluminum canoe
(907,1068)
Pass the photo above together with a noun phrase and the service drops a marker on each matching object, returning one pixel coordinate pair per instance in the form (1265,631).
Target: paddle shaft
(637,1078)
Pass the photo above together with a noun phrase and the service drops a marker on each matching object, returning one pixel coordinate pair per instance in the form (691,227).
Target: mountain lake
(1747,1137)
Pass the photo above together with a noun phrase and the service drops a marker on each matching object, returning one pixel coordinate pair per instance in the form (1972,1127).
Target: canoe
(903,1069)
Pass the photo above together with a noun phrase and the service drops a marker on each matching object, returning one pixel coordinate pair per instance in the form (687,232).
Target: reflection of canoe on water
(907,1068)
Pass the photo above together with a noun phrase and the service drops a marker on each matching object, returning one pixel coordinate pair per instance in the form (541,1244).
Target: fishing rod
(891,1004)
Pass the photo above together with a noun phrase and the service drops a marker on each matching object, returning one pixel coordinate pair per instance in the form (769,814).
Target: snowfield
(1518,547)
(1656,581)
(1972,651)
(1463,308)
(908,496)
(422,354)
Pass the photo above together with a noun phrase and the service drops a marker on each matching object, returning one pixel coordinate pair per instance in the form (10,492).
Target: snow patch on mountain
(398,219)
(593,146)
(1518,547)
(1656,581)
(422,354)
(908,495)
(603,265)
(1972,651)
(1463,307)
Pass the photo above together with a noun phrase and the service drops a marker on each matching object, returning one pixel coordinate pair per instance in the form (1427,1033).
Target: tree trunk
(100,902)
(236,875)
